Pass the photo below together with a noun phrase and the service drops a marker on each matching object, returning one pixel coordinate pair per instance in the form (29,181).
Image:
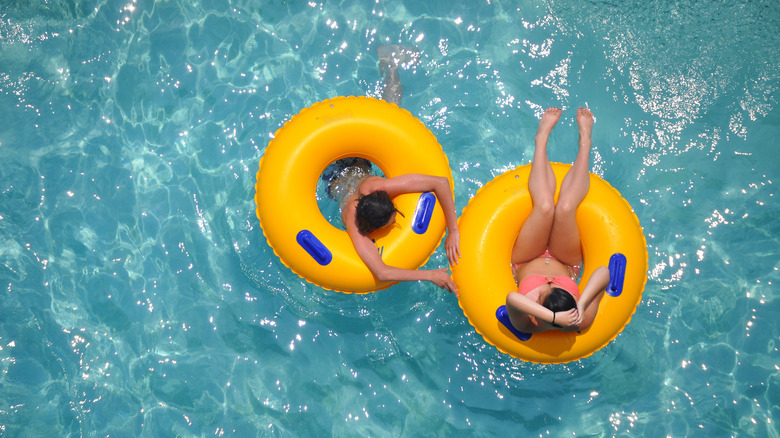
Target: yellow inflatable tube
(488,228)
(391,138)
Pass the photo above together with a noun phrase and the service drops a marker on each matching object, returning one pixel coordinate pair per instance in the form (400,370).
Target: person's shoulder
(371,184)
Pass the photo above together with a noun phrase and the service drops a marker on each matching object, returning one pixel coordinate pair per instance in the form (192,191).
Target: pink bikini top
(533,281)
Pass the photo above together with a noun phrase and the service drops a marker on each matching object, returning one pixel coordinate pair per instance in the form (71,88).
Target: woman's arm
(440,186)
(370,256)
(588,304)
(522,308)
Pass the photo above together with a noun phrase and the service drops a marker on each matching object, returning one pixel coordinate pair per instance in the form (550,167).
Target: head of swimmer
(375,211)
(558,300)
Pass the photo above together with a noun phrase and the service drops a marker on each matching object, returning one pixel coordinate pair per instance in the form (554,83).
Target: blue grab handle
(423,212)
(503,318)
(617,273)
(316,249)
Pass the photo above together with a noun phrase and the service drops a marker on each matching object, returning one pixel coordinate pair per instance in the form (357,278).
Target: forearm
(444,195)
(523,304)
(597,282)
(393,274)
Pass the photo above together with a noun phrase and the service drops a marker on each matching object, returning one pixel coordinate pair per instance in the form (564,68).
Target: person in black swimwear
(366,199)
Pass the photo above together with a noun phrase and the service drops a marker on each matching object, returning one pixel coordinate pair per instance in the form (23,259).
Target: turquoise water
(139,296)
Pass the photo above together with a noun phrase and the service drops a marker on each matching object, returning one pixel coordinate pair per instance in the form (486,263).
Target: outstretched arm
(414,183)
(370,256)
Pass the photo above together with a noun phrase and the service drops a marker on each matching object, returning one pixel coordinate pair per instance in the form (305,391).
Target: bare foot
(393,56)
(585,123)
(390,58)
(548,121)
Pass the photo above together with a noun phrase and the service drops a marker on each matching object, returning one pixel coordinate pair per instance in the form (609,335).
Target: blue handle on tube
(617,274)
(423,212)
(316,249)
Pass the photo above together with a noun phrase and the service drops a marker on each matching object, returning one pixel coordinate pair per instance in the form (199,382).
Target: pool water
(140,298)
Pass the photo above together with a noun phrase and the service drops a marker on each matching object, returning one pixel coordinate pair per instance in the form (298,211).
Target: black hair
(559,300)
(374,211)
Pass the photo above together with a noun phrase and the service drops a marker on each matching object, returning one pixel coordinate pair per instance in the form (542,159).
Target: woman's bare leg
(535,232)
(390,58)
(565,242)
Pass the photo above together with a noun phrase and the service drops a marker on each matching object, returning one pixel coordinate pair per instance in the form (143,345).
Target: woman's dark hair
(559,300)
(374,211)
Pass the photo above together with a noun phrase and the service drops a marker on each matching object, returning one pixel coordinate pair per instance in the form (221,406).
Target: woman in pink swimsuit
(547,254)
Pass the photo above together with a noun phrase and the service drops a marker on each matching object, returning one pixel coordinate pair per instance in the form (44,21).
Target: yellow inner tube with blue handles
(488,228)
(390,137)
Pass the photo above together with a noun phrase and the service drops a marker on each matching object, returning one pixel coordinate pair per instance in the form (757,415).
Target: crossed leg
(554,226)
(535,233)
(390,58)
(565,244)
